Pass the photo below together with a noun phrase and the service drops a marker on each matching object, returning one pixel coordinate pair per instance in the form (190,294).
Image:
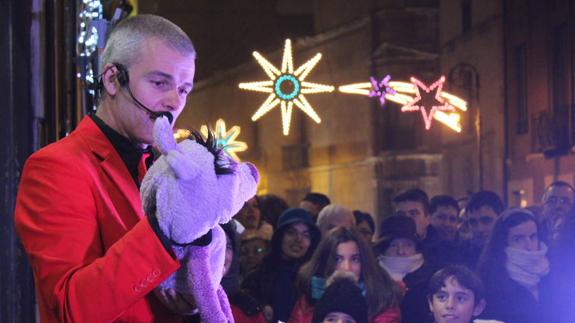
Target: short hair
(318,199)
(364,217)
(464,277)
(485,198)
(333,211)
(442,200)
(557,184)
(126,39)
(413,195)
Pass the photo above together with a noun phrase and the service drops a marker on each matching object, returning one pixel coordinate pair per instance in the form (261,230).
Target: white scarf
(398,267)
(527,267)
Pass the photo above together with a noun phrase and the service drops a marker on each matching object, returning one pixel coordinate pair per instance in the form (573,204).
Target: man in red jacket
(95,256)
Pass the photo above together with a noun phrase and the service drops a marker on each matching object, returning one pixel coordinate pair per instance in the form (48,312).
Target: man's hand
(176,302)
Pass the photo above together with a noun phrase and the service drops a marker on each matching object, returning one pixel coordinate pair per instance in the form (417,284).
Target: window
(520,61)
(466,15)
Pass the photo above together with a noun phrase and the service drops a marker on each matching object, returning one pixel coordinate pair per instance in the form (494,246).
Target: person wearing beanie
(342,300)
(399,254)
(293,242)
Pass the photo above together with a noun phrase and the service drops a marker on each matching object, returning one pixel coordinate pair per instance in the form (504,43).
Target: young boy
(455,295)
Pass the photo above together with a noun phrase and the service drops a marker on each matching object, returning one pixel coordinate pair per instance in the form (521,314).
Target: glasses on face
(558,200)
(484,220)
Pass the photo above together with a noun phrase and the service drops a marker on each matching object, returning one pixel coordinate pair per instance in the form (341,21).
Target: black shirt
(131,154)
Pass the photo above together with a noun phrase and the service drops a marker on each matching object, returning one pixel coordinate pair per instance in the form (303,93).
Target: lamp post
(465,76)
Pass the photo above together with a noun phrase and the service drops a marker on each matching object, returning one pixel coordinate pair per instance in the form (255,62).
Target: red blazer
(94,255)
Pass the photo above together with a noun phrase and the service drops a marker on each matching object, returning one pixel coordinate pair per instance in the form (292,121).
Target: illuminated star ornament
(409,95)
(286,87)
(445,102)
(380,89)
(226,139)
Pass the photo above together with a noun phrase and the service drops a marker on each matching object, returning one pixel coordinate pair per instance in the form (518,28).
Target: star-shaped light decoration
(286,87)
(416,103)
(226,139)
(446,103)
(380,89)
(408,95)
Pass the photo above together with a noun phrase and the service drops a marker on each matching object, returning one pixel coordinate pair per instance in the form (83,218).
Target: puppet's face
(187,193)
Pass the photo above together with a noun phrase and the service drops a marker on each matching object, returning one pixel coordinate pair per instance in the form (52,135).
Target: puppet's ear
(163,135)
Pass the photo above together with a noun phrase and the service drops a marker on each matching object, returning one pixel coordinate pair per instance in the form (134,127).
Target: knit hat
(395,227)
(291,216)
(343,296)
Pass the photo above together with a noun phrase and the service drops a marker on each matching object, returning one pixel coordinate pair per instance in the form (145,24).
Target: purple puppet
(191,189)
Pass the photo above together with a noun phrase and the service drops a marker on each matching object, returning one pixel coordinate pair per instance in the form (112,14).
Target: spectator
(335,215)
(245,308)
(563,262)
(444,211)
(254,247)
(514,268)
(250,218)
(314,203)
(342,301)
(455,295)
(482,211)
(557,204)
(414,203)
(364,224)
(450,248)
(271,207)
(398,253)
(343,249)
(273,284)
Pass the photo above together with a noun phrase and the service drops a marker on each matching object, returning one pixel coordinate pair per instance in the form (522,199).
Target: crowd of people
(432,260)
(97,257)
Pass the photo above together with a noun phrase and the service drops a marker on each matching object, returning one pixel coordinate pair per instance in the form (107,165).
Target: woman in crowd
(245,308)
(514,269)
(271,207)
(346,250)
(398,253)
(254,247)
(364,224)
(293,243)
(250,218)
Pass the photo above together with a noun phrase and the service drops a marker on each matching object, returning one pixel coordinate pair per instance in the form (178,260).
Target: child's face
(454,303)
(338,317)
(348,258)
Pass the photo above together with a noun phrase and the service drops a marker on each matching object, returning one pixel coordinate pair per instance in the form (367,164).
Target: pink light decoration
(437,86)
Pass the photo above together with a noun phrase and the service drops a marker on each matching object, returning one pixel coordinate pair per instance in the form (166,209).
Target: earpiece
(123,77)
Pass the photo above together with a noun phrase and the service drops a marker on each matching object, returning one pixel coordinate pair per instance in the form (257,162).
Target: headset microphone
(124,81)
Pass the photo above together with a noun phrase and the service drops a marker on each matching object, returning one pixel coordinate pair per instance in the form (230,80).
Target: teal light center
(294,83)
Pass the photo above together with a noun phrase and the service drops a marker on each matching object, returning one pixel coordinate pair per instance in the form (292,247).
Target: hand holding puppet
(191,189)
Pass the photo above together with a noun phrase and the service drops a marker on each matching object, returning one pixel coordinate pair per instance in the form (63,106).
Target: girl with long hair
(345,250)
(514,269)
